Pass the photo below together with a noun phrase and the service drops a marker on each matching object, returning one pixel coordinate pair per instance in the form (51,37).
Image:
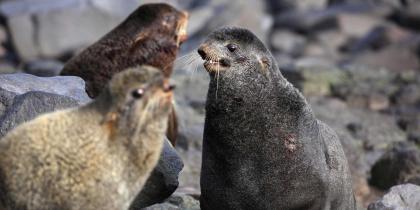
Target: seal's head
(160,20)
(138,97)
(240,67)
(232,51)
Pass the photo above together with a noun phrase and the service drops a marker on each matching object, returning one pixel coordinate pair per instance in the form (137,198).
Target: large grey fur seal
(263,147)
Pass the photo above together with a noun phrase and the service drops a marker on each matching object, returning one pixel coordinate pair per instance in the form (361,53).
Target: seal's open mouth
(211,62)
(216,63)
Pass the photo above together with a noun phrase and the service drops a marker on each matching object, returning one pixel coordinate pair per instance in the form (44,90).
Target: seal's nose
(202,53)
(167,86)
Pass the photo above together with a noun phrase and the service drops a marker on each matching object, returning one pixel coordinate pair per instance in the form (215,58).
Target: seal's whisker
(188,62)
(217,77)
(185,59)
(186,56)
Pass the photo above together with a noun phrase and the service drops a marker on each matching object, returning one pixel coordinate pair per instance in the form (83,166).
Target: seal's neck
(227,94)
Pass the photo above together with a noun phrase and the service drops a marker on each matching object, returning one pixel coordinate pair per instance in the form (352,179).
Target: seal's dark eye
(137,93)
(231,47)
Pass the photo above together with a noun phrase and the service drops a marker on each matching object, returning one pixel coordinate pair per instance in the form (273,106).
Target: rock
(6,99)
(326,44)
(287,5)
(401,197)
(228,13)
(414,137)
(408,17)
(366,87)
(373,40)
(31,104)
(190,138)
(406,102)
(50,28)
(198,19)
(7,68)
(287,42)
(84,25)
(22,29)
(70,86)
(364,23)
(391,3)
(307,22)
(408,95)
(396,58)
(3,35)
(190,95)
(315,80)
(163,181)
(44,68)
(177,201)
(399,165)
(363,146)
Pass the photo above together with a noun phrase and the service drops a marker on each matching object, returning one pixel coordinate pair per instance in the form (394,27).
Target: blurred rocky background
(357,62)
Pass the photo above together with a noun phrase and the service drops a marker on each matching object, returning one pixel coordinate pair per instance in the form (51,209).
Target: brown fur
(97,156)
(150,35)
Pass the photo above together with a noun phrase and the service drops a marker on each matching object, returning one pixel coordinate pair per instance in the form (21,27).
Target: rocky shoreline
(357,62)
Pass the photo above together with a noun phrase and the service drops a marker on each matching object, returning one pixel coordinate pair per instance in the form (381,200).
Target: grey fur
(263,147)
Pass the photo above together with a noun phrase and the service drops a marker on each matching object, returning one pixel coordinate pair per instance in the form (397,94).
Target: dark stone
(44,68)
(401,197)
(287,42)
(365,87)
(374,40)
(355,129)
(392,3)
(408,17)
(177,202)
(399,165)
(6,99)
(163,181)
(307,22)
(414,137)
(27,106)
(407,95)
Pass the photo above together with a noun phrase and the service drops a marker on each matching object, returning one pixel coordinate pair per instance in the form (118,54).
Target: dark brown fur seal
(97,156)
(263,147)
(150,35)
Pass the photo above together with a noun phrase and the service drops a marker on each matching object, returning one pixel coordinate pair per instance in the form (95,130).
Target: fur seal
(97,156)
(263,147)
(151,35)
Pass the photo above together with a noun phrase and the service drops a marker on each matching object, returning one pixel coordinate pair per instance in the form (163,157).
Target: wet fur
(263,147)
(143,38)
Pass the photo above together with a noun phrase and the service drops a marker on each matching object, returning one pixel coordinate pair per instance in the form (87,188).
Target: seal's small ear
(264,64)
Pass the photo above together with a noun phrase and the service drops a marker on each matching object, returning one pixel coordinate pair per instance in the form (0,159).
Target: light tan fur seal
(97,156)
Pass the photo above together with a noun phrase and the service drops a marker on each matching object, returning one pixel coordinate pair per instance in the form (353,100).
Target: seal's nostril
(202,53)
(168,87)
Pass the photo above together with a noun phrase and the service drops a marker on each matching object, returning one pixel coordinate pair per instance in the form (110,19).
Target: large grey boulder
(399,165)
(401,197)
(50,28)
(27,106)
(19,83)
(163,181)
(177,202)
(6,99)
